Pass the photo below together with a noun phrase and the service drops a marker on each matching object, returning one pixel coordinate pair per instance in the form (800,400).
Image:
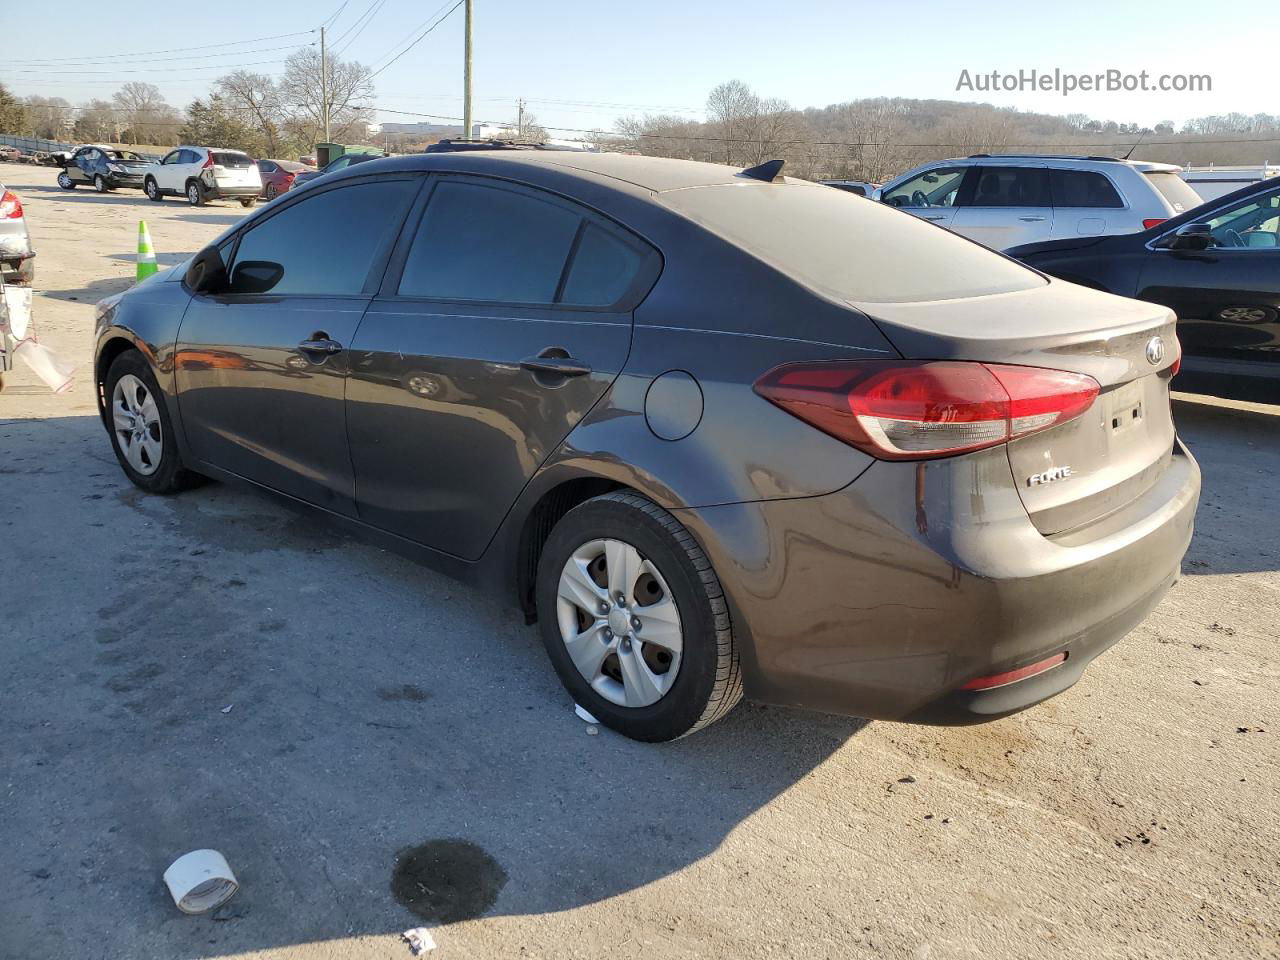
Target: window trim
(377,268)
(645,279)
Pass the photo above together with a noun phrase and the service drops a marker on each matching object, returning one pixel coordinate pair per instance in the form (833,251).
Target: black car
(1217,267)
(103,168)
(334,165)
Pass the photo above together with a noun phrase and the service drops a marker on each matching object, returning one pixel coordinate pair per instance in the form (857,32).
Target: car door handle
(934,218)
(320,345)
(1032,219)
(556,366)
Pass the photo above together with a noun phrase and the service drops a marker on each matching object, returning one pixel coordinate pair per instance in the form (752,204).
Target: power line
(206,56)
(418,39)
(147,53)
(332,18)
(223,66)
(367,17)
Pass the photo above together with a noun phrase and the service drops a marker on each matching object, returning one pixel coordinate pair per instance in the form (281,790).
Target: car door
(1227,297)
(81,168)
(1006,206)
(930,195)
(168,175)
(1087,204)
(506,314)
(261,368)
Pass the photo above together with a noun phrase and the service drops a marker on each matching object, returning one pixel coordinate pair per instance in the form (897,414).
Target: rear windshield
(850,248)
(225,158)
(1178,192)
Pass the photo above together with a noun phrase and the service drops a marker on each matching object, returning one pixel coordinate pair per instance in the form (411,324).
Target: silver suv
(1004,201)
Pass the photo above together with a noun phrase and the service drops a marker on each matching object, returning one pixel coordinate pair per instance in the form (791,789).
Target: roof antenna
(768,171)
(1135,146)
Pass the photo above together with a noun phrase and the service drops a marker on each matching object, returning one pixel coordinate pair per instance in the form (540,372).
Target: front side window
(326,243)
(174,157)
(933,188)
(490,244)
(1011,187)
(1252,225)
(1083,188)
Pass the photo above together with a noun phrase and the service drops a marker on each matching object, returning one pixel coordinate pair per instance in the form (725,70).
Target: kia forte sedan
(718,432)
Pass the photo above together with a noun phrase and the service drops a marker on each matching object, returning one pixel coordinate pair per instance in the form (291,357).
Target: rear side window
(1180,194)
(488,243)
(266,166)
(603,269)
(1081,188)
(327,242)
(1011,187)
(848,248)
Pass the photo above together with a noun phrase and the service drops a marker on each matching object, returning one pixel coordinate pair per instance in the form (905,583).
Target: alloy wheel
(1242,314)
(136,420)
(619,621)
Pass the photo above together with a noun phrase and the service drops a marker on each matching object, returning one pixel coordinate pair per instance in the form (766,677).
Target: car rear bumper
(125,180)
(885,599)
(218,191)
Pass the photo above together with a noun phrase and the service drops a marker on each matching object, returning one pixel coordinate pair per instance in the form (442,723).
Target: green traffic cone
(146,255)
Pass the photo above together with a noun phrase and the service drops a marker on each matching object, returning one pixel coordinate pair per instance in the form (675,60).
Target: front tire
(152,190)
(100,183)
(65,181)
(141,433)
(635,620)
(195,194)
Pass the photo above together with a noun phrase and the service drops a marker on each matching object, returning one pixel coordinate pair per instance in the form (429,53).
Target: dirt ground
(356,733)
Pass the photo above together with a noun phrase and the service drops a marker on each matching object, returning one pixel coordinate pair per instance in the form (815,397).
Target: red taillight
(917,410)
(1153,222)
(288,177)
(1013,676)
(208,160)
(10,206)
(1177,360)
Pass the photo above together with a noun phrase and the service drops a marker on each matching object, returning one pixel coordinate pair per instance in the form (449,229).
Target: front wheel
(65,181)
(152,190)
(141,433)
(635,620)
(100,183)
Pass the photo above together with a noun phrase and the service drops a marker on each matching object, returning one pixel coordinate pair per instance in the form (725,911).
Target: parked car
(277,176)
(333,166)
(103,168)
(718,431)
(17,259)
(1003,201)
(1214,182)
(1217,267)
(202,174)
(10,154)
(309,160)
(861,188)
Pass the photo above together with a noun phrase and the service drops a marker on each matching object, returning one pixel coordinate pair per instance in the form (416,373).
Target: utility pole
(466,76)
(324,87)
(520,119)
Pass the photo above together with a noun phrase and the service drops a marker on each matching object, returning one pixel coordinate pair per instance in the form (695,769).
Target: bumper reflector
(1013,676)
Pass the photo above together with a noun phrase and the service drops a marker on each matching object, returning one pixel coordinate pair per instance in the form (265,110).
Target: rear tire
(272,191)
(153,463)
(670,591)
(152,189)
(247,202)
(100,183)
(195,193)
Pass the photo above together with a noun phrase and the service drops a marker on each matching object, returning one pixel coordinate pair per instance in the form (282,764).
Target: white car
(204,173)
(1005,201)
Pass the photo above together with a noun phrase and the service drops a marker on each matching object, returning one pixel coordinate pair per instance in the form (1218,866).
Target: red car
(277,176)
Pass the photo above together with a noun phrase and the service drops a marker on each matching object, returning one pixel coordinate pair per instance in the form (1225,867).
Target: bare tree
(140,107)
(526,128)
(731,110)
(48,116)
(255,99)
(303,95)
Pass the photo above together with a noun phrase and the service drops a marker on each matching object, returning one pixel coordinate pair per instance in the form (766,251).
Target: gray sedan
(719,432)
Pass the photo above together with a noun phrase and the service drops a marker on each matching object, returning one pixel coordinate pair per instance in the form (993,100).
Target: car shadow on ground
(89,293)
(230,673)
(217,218)
(1239,461)
(162,259)
(86,194)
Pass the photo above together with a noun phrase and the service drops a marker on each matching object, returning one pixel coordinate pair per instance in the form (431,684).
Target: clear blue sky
(583,64)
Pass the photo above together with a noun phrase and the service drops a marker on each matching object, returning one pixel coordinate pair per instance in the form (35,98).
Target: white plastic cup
(200,881)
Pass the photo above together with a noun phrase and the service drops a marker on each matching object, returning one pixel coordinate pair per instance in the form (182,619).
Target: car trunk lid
(1077,473)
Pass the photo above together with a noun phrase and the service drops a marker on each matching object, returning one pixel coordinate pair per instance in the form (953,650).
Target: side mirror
(207,273)
(876,194)
(1189,236)
(255,276)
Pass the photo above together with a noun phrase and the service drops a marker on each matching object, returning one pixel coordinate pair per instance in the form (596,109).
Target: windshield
(848,247)
(1174,189)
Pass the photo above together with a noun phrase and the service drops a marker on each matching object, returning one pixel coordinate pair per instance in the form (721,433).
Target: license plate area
(1125,408)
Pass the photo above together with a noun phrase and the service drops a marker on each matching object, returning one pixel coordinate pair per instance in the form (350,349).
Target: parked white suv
(1005,201)
(204,173)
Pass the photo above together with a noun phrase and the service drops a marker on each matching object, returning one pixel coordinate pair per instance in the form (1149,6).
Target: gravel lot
(376,707)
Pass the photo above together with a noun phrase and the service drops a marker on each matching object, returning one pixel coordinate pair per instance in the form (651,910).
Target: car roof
(657,174)
(1066,160)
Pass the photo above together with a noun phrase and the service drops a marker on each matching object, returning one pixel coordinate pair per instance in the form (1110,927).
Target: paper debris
(584,715)
(419,940)
(228,708)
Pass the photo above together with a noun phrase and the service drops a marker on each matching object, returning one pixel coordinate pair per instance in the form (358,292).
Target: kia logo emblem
(1155,350)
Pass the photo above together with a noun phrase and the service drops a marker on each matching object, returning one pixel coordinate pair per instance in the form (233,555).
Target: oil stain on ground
(447,880)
